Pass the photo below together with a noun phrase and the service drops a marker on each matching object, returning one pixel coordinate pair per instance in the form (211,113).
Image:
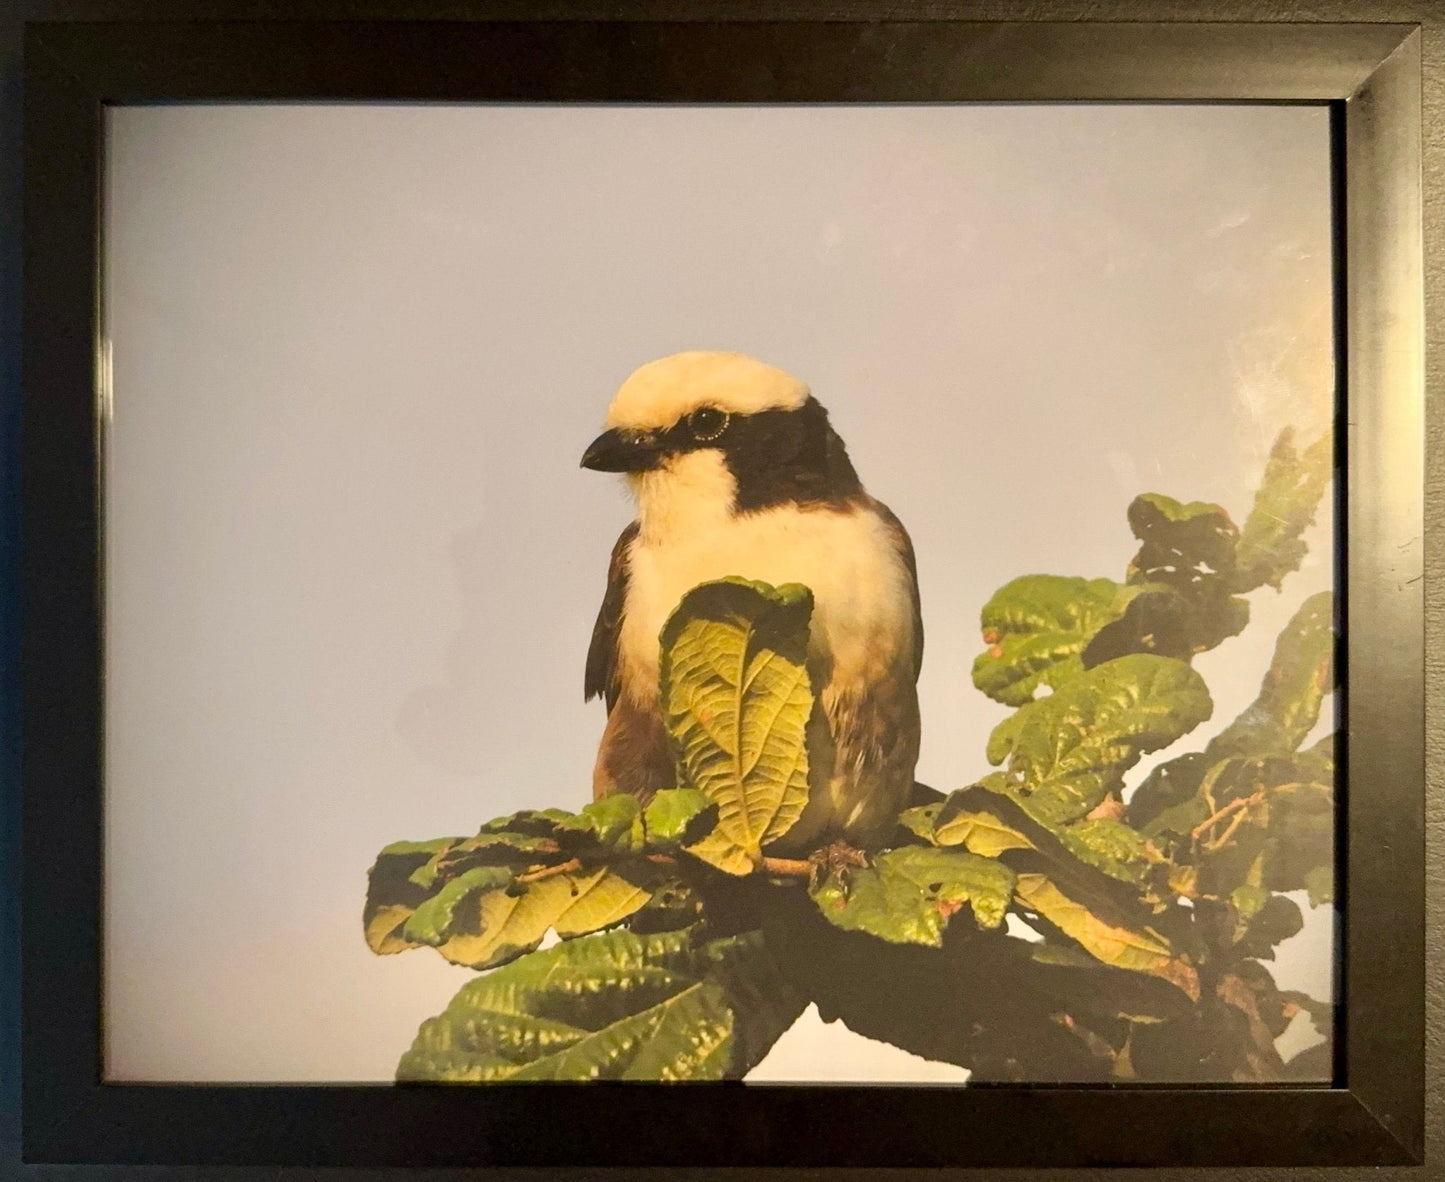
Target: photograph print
(784,593)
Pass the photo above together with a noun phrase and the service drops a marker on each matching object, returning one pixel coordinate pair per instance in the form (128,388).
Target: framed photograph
(761,593)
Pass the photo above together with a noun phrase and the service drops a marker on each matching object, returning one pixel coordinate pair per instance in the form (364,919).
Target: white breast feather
(862,615)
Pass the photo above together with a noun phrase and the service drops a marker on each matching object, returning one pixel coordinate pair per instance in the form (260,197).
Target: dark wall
(12,16)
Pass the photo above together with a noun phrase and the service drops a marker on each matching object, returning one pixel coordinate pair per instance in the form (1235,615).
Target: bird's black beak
(623,451)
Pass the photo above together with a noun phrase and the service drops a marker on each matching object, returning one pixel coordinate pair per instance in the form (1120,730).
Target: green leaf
(1168,799)
(1319,881)
(1101,864)
(907,895)
(675,903)
(483,900)
(494,848)
(1300,838)
(1264,920)
(1168,622)
(678,816)
(1115,848)
(1265,822)
(1249,900)
(1140,950)
(487,917)
(432,921)
(1269,545)
(1302,671)
(614,1006)
(392,896)
(615,821)
(1087,985)
(1067,752)
(736,700)
(537,822)
(920,820)
(1036,627)
(1299,676)
(1182,603)
(1183,544)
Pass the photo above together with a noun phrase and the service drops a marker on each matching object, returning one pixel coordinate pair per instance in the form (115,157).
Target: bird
(736,471)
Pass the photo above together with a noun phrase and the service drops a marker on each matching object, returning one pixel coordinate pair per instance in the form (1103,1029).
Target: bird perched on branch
(736,471)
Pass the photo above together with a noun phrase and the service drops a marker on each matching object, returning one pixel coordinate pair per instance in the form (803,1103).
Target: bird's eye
(707,423)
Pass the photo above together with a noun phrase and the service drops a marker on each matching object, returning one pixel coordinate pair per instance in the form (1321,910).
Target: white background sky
(353,565)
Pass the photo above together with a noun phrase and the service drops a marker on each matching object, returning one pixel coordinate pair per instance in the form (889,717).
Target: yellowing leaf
(392,894)
(921,819)
(482,900)
(980,833)
(958,820)
(1138,949)
(736,701)
(384,929)
(596,901)
(485,918)
(724,853)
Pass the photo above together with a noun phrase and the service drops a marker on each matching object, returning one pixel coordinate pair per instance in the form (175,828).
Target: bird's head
(723,428)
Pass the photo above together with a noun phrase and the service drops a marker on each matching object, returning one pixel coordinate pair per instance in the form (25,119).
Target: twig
(566,867)
(789,867)
(1229,830)
(1237,805)
(1206,787)
(574,864)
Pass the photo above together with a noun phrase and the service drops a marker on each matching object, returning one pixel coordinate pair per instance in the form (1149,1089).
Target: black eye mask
(780,456)
(775,456)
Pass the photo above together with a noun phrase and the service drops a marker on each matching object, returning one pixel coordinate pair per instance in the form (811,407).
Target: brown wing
(603,676)
(633,756)
(904,545)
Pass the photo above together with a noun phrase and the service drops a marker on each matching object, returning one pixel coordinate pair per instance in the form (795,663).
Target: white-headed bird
(736,471)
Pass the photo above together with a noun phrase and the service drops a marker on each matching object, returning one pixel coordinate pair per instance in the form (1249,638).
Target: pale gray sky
(352,561)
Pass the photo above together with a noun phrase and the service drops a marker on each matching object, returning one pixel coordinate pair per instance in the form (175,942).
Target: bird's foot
(836,858)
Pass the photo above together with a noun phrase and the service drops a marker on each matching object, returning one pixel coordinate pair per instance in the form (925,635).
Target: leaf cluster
(485,900)
(620,1005)
(1042,923)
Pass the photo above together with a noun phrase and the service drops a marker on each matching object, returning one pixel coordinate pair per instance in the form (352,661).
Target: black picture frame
(1369,74)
